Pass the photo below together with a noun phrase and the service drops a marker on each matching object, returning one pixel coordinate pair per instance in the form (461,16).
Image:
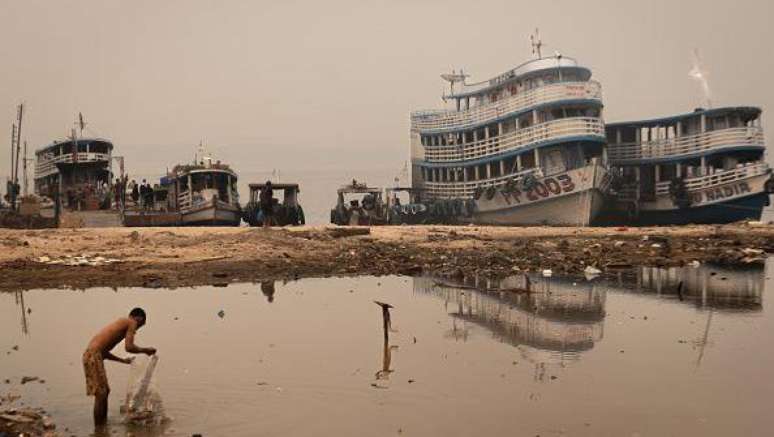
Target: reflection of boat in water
(568,319)
(705,286)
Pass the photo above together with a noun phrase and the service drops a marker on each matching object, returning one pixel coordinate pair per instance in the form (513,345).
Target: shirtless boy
(99,349)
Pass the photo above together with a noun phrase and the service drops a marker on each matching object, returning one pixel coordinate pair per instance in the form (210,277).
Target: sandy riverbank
(173,257)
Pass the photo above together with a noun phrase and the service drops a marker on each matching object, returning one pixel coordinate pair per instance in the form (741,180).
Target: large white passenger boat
(525,147)
(707,166)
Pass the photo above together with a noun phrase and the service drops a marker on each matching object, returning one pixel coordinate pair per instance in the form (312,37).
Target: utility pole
(26,181)
(16,141)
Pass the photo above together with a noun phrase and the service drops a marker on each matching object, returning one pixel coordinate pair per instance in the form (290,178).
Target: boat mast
(537,44)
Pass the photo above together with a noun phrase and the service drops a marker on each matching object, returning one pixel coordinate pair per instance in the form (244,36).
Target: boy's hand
(150,351)
(128,360)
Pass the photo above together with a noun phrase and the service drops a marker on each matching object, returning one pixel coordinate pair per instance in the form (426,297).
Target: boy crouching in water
(99,349)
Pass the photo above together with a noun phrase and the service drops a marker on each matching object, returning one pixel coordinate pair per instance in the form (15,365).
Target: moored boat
(200,194)
(707,166)
(527,146)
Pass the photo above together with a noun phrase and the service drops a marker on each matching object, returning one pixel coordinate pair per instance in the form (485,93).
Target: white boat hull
(573,198)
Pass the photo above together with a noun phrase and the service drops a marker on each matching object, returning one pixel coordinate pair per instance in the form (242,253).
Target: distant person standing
(117,193)
(135,192)
(267,207)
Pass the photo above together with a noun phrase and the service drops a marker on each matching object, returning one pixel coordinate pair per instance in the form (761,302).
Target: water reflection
(556,315)
(706,287)
(267,288)
(19,296)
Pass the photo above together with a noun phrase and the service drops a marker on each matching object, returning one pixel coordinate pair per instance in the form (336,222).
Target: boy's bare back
(109,336)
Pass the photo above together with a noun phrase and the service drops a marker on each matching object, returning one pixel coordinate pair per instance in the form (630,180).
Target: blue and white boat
(525,147)
(707,166)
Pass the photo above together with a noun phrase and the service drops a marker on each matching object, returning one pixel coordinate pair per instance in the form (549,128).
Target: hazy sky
(290,84)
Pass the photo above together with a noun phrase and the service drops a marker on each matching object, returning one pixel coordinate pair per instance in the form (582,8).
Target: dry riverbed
(176,257)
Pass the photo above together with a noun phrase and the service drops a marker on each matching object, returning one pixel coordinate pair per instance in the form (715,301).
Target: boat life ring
(511,186)
(478,192)
(490,193)
(528,182)
(470,207)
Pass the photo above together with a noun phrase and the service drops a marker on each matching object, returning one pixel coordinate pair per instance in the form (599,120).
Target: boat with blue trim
(525,147)
(707,166)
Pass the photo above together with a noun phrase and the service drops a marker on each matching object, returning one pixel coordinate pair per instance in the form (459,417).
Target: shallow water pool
(631,356)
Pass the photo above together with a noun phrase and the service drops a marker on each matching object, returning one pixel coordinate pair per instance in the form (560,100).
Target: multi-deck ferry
(706,166)
(77,170)
(525,147)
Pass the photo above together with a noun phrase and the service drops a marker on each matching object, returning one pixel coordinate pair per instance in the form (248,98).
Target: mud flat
(177,257)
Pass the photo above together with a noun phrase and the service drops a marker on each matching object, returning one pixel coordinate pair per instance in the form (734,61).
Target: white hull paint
(212,215)
(573,198)
(713,195)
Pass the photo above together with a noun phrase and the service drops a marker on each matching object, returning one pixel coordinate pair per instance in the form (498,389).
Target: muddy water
(630,356)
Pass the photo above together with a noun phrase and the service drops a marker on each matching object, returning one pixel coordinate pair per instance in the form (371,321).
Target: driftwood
(348,232)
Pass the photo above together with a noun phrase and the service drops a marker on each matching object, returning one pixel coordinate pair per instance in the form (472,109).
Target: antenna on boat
(700,75)
(81,122)
(453,78)
(537,43)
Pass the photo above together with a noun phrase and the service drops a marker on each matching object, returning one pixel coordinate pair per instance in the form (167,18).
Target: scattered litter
(655,246)
(15,347)
(694,264)
(547,273)
(26,379)
(410,381)
(618,243)
(750,251)
(82,260)
(591,272)
(221,314)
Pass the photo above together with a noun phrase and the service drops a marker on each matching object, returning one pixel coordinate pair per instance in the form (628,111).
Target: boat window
(82,147)
(528,160)
(553,161)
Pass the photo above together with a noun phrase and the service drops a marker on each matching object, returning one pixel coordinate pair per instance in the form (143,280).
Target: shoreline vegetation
(187,257)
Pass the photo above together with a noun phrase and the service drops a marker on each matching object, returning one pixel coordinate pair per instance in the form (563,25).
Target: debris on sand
(26,379)
(82,260)
(221,314)
(26,422)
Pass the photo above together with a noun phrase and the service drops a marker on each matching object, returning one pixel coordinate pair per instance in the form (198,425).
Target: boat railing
(184,200)
(744,171)
(44,167)
(686,145)
(450,119)
(466,189)
(547,131)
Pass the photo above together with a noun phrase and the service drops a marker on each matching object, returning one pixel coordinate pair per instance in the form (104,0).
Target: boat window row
(694,167)
(515,88)
(83,147)
(678,128)
(508,126)
(551,160)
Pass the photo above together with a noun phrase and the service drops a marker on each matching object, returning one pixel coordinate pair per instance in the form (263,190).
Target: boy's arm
(111,357)
(129,341)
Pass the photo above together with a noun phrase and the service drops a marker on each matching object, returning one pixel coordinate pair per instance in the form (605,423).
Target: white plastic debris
(655,246)
(591,272)
(752,252)
(547,273)
(694,264)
